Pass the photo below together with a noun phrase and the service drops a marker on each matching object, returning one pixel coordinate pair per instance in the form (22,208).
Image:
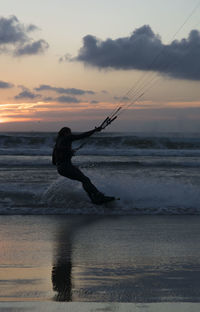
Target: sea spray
(152,174)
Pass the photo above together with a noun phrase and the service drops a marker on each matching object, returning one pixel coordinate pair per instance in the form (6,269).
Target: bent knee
(86,180)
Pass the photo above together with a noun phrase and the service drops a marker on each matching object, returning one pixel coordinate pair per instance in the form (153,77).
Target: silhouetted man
(62,155)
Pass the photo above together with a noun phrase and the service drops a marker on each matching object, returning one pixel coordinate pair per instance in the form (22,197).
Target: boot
(97,198)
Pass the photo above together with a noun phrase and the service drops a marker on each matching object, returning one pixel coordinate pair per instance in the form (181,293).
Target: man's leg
(74,173)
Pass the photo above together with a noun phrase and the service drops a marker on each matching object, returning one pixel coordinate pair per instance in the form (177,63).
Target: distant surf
(105,144)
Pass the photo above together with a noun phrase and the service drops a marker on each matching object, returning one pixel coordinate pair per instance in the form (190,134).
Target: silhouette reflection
(62,279)
(124,261)
(62,275)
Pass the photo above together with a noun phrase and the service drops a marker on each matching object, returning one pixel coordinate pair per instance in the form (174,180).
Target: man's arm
(84,134)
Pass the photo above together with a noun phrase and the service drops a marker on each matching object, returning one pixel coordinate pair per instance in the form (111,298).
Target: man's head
(64,131)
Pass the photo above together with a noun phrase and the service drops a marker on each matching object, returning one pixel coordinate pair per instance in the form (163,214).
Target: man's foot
(106,199)
(100,198)
(96,198)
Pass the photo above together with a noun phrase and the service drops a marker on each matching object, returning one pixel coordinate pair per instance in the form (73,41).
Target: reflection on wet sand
(62,279)
(114,261)
(95,259)
(62,266)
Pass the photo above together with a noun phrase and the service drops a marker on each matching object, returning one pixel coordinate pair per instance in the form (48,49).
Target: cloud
(15,38)
(33,48)
(67,99)
(61,99)
(73,91)
(31,27)
(121,99)
(144,50)
(48,99)
(5,85)
(11,31)
(104,91)
(66,57)
(27,94)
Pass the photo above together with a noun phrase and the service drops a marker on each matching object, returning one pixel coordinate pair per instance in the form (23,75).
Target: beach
(100,156)
(97,307)
(61,252)
(137,259)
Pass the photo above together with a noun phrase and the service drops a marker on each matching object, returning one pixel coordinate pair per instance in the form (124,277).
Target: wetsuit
(62,156)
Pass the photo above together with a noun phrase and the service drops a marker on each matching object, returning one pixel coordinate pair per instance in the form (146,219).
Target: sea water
(150,173)
(140,249)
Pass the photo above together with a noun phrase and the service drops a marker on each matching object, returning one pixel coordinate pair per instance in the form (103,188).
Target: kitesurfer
(62,155)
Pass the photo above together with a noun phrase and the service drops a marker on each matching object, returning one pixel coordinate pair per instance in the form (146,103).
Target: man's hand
(98,129)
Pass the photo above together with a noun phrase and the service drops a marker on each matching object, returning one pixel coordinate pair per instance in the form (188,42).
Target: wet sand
(97,307)
(141,263)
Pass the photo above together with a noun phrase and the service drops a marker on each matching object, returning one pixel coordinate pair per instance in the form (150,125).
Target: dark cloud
(61,99)
(31,27)
(66,57)
(144,50)
(15,37)
(11,31)
(26,94)
(121,99)
(36,47)
(73,91)
(5,85)
(67,99)
(48,99)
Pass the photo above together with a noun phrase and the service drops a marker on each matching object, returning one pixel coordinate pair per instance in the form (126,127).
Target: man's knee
(86,180)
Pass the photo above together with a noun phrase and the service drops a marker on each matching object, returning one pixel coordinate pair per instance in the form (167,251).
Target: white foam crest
(137,195)
(24,161)
(153,196)
(139,152)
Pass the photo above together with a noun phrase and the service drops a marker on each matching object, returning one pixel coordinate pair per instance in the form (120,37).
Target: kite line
(146,81)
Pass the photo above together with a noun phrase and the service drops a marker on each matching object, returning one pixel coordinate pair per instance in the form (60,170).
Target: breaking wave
(103,144)
(138,196)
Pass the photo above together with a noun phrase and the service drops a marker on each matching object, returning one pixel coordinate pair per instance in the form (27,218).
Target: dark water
(152,174)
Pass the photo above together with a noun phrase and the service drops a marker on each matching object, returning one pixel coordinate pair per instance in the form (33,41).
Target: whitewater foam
(155,175)
(138,196)
(103,144)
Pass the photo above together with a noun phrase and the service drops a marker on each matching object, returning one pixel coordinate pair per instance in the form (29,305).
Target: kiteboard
(105,199)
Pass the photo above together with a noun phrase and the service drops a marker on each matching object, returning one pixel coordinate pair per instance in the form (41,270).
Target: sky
(71,63)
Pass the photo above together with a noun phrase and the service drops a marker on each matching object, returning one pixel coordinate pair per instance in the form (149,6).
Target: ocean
(141,250)
(153,174)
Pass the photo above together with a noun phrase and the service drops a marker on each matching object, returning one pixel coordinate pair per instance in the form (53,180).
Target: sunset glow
(50,75)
